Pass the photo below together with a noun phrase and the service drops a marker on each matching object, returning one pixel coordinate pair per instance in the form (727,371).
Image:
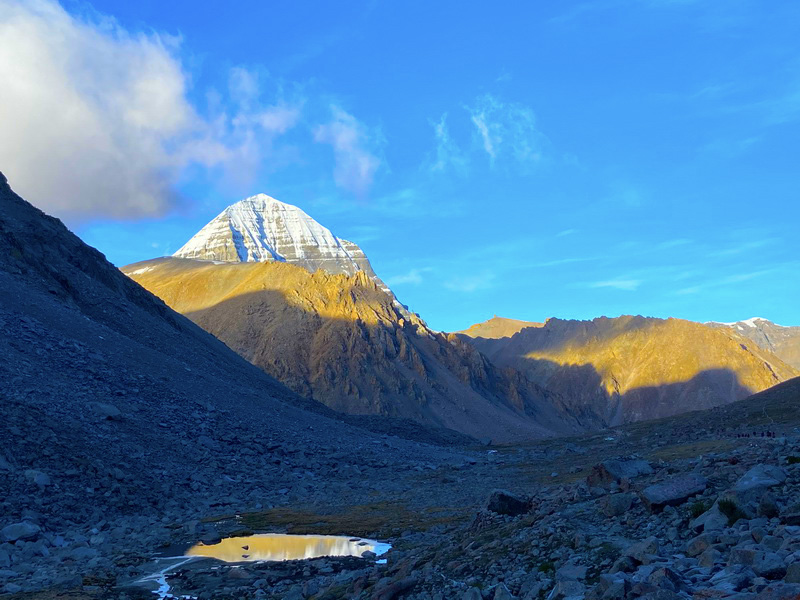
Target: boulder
(614,471)
(699,544)
(567,589)
(501,593)
(506,503)
(571,572)
(106,411)
(673,492)
(472,593)
(711,520)
(642,551)
(37,477)
(793,573)
(20,531)
(779,591)
(666,579)
(752,485)
(617,504)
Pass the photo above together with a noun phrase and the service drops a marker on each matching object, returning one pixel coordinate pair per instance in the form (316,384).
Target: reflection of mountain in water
(279,547)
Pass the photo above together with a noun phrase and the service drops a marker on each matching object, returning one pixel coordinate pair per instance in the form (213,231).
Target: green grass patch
(379,519)
(730,509)
(698,507)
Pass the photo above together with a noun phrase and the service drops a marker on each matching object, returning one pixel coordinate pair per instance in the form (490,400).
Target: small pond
(279,547)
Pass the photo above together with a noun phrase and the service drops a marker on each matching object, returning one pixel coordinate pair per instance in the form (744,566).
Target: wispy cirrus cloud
(507,129)
(627,285)
(97,121)
(412,277)
(471,283)
(353,150)
(447,153)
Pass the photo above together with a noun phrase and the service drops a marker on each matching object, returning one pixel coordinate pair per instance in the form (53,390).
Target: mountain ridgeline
(344,341)
(306,307)
(783,342)
(632,368)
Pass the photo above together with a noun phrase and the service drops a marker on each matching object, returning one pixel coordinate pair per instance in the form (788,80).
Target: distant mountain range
(625,369)
(783,342)
(306,306)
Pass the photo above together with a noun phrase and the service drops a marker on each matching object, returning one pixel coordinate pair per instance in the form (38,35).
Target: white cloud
(507,129)
(355,163)
(95,120)
(447,151)
(628,285)
(471,283)
(413,277)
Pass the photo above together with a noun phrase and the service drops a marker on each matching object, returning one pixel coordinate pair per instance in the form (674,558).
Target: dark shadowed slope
(127,406)
(344,341)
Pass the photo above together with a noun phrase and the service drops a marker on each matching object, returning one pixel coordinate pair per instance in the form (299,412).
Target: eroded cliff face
(345,341)
(634,368)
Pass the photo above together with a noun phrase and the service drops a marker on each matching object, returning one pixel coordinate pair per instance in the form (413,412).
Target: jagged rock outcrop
(612,371)
(345,342)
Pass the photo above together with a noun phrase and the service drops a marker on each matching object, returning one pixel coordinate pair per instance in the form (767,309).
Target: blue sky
(561,159)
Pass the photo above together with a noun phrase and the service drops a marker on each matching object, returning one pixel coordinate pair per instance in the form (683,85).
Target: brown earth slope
(628,369)
(345,342)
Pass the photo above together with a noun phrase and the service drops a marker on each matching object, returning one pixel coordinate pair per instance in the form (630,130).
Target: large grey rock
(106,411)
(643,550)
(502,502)
(617,504)
(699,544)
(779,591)
(37,477)
(614,471)
(472,594)
(793,573)
(501,593)
(674,491)
(764,564)
(571,572)
(20,531)
(753,484)
(711,520)
(565,590)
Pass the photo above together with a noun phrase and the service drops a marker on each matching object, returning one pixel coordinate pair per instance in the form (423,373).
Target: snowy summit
(261,229)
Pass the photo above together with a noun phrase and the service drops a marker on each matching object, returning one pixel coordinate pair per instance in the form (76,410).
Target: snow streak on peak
(751,322)
(261,228)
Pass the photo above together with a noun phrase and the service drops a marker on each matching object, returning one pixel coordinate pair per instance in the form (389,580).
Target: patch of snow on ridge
(751,322)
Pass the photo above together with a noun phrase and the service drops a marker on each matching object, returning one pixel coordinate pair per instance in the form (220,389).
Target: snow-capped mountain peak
(262,228)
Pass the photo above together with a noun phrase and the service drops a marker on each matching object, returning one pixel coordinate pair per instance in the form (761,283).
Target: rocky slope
(497,327)
(625,369)
(344,341)
(783,342)
(704,505)
(263,229)
(119,417)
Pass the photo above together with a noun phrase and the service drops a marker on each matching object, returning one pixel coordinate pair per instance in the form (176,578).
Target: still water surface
(279,547)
